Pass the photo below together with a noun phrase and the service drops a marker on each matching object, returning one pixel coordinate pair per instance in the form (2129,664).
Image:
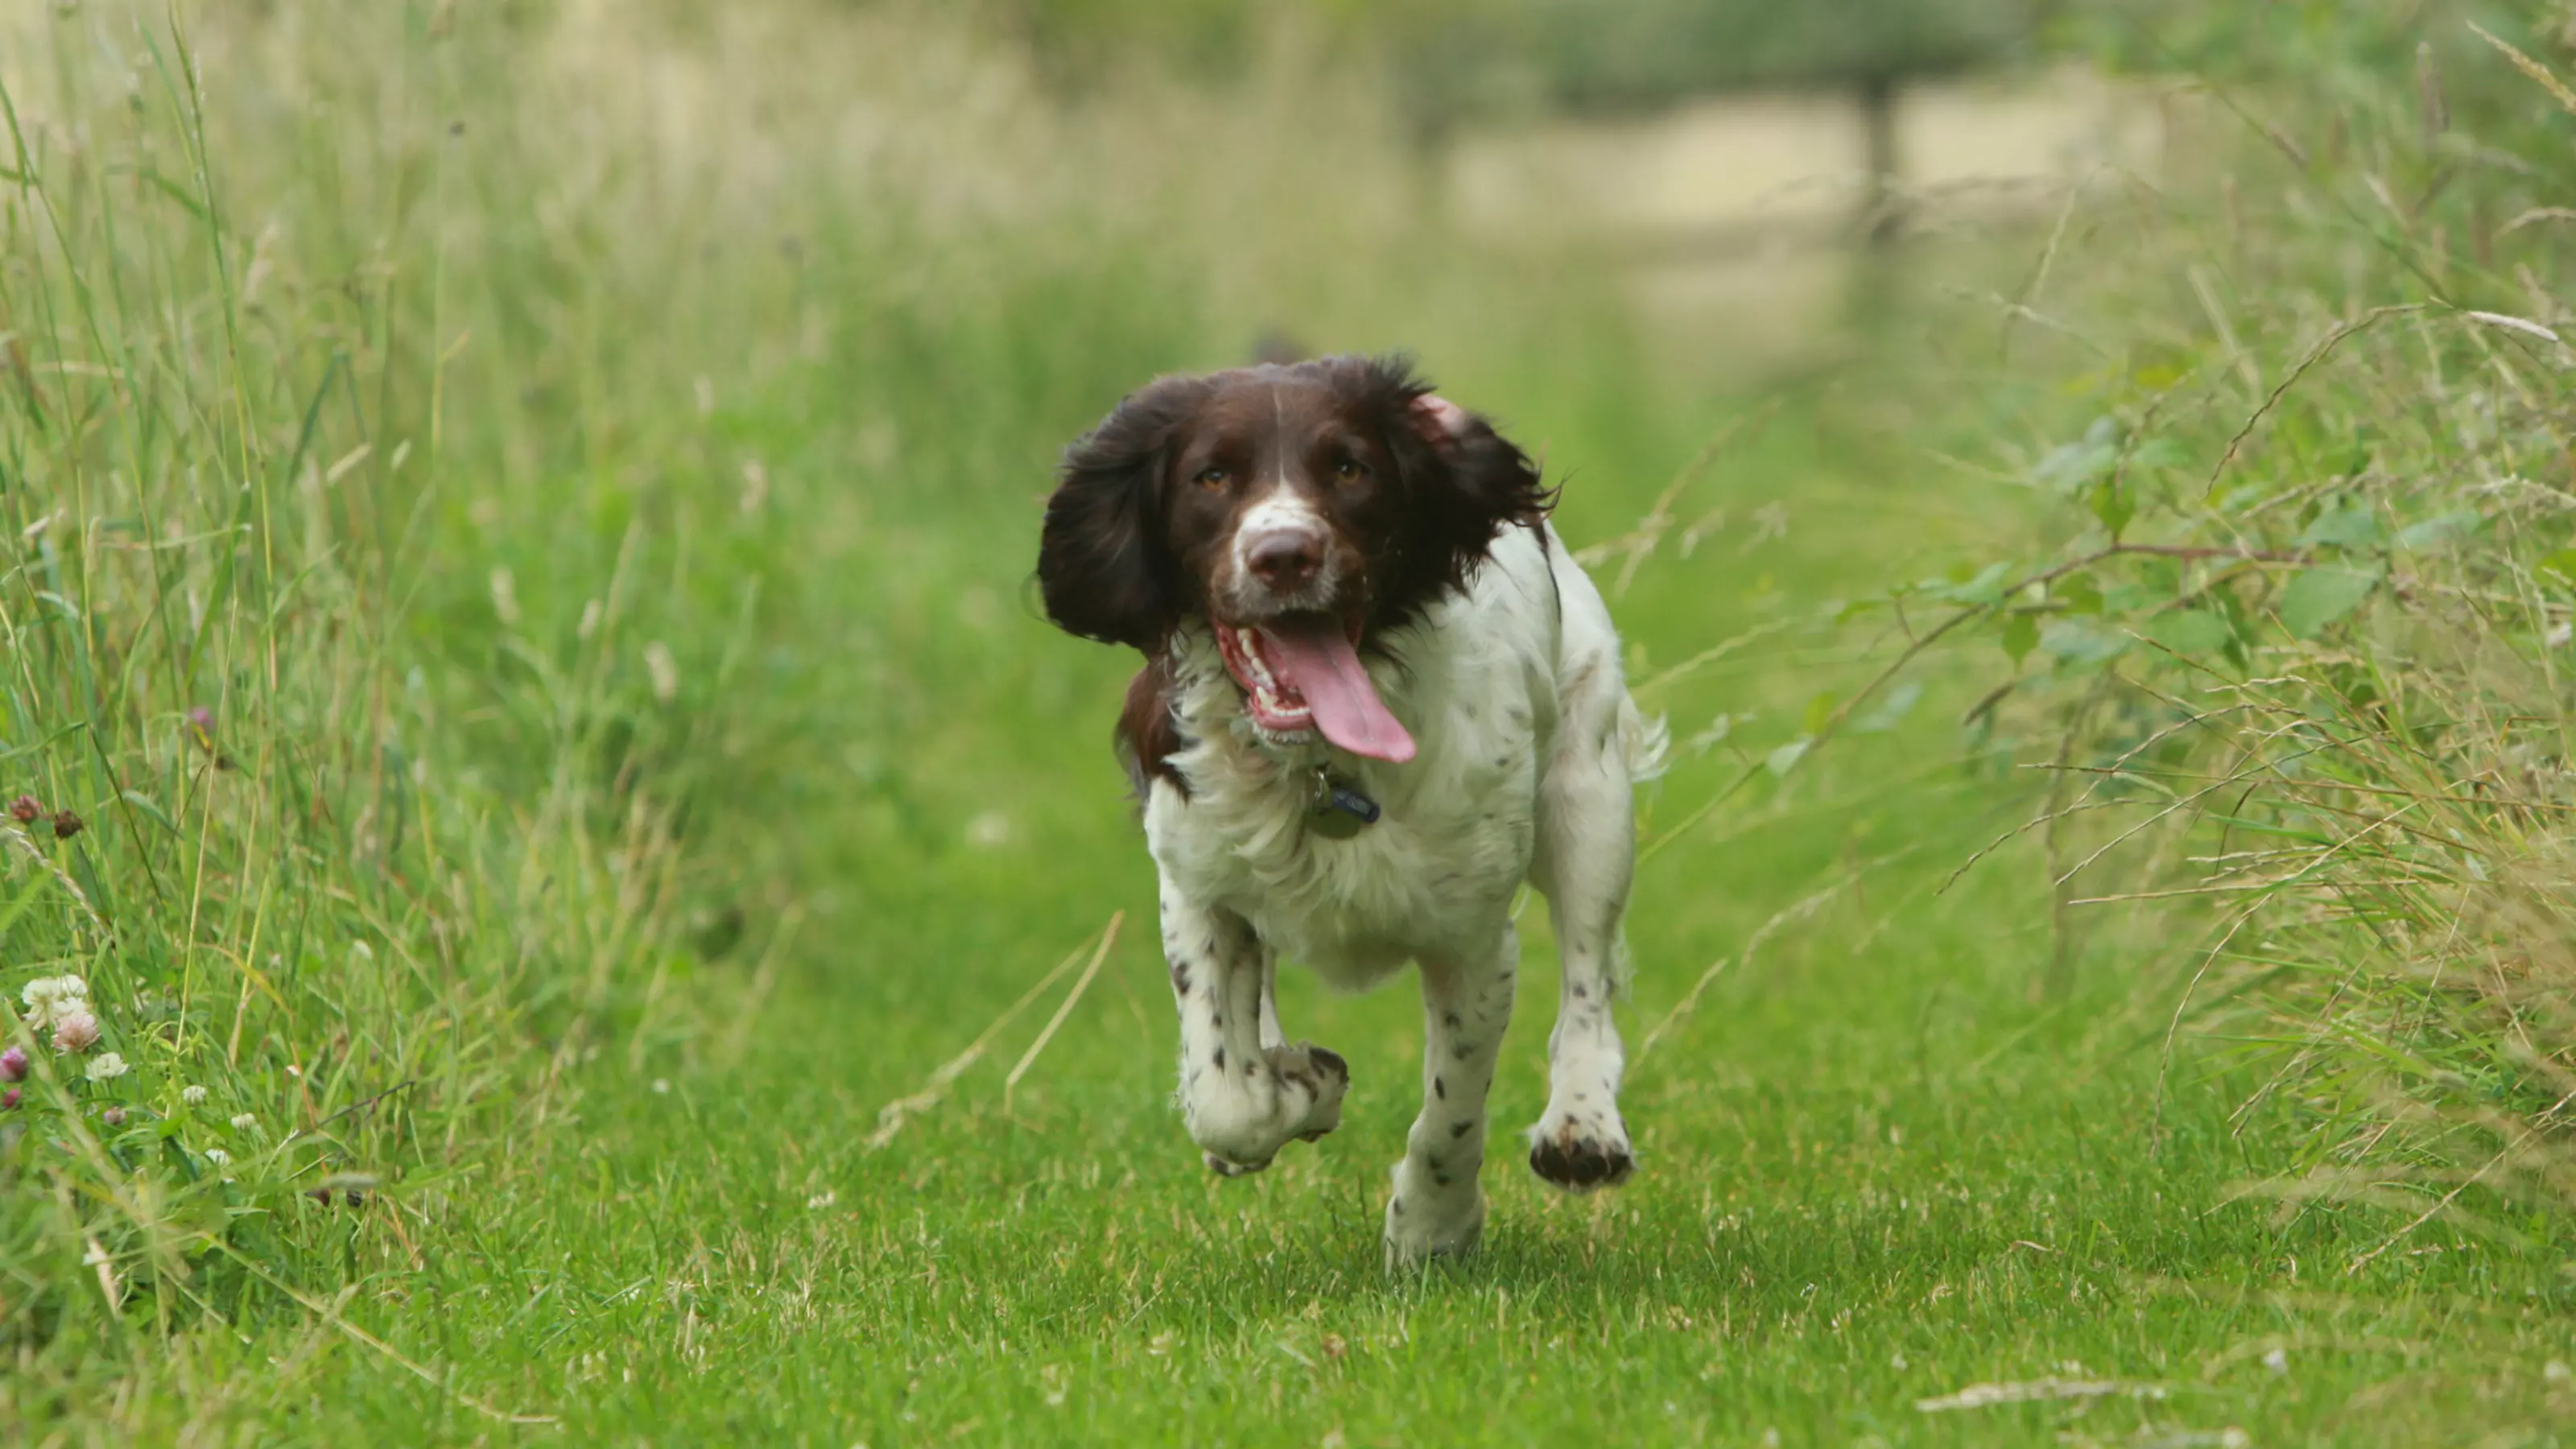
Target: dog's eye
(1350,470)
(1214,478)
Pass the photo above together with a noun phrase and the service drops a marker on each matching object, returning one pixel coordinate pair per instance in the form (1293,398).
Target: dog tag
(1339,812)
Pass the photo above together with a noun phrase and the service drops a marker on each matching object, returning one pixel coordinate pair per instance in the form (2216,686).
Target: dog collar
(1336,809)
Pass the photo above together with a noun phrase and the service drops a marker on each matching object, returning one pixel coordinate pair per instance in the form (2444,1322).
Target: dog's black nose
(1286,558)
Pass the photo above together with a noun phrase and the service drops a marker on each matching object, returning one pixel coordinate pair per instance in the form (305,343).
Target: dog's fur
(1423,532)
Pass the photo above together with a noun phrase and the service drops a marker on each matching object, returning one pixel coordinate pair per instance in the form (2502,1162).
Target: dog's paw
(1580,1151)
(1425,1228)
(1240,1120)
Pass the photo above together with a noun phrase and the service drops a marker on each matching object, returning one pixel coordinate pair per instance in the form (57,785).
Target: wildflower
(245,1122)
(108,1067)
(51,998)
(66,825)
(9,1100)
(219,1157)
(13,1065)
(113,1116)
(26,809)
(201,728)
(76,1030)
(193,1096)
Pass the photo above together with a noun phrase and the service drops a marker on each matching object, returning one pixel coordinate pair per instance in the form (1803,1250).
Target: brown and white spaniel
(1378,695)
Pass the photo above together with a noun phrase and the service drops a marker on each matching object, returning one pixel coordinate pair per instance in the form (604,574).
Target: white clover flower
(49,999)
(245,1122)
(76,1030)
(193,1096)
(219,1157)
(52,988)
(107,1067)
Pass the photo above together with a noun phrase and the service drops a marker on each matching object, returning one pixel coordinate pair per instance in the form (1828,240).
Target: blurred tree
(1459,60)
(1481,56)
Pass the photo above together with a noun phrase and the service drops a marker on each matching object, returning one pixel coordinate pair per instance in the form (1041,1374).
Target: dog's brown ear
(1103,566)
(1463,481)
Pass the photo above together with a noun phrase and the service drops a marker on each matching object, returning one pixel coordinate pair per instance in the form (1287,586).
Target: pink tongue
(1314,657)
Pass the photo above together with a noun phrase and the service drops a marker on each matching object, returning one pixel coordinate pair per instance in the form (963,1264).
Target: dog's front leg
(1242,1096)
(1437,1207)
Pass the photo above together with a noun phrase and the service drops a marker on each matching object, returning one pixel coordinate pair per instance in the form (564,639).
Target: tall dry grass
(464,469)
(2289,643)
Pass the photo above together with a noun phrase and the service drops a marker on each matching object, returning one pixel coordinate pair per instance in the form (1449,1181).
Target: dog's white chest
(1457,823)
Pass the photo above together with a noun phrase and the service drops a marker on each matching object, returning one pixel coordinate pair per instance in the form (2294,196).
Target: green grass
(599,915)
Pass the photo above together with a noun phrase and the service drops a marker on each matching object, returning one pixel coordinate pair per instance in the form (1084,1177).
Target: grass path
(1865,1187)
(1875,1175)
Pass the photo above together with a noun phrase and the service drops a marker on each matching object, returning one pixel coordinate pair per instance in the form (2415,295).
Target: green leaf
(149,807)
(1986,586)
(2021,635)
(2114,507)
(2081,644)
(2442,528)
(2157,453)
(2074,466)
(1899,702)
(2079,595)
(2560,566)
(2190,631)
(2353,525)
(1784,759)
(1820,710)
(2318,597)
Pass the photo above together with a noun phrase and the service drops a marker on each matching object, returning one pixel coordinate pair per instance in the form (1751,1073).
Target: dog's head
(1297,509)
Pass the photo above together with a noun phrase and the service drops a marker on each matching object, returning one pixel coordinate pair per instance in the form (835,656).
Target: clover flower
(76,1030)
(51,998)
(9,1100)
(193,1096)
(113,1116)
(13,1065)
(26,809)
(245,1122)
(219,1157)
(108,1067)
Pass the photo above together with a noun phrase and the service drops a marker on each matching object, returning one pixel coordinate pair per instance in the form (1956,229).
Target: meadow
(621,924)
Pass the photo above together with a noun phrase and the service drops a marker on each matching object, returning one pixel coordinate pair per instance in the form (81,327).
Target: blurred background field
(520,529)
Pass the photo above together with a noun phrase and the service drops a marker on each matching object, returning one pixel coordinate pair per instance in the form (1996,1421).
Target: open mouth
(1301,674)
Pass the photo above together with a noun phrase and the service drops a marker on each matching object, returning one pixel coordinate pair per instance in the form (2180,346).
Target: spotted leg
(1586,852)
(1437,1207)
(1242,1096)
